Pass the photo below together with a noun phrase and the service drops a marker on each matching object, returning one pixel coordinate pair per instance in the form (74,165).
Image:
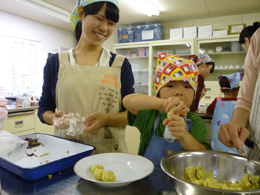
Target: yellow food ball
(108,176)
(98,173)
(96,166)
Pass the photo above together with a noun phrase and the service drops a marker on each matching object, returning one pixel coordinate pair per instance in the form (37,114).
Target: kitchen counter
(67,182)
(13,108)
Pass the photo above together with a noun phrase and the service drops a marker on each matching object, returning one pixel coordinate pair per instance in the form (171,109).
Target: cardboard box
(149,32)
(205,31)
(190,32)
(219,33)
(125,35)
(176,33)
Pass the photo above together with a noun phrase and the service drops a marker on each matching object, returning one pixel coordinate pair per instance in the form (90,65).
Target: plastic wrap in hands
(12,147)
(74,122)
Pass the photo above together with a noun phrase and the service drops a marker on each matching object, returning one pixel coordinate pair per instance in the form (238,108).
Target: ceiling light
(47,9)
(145,6)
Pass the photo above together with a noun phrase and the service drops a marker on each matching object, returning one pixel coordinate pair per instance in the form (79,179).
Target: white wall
(50,37)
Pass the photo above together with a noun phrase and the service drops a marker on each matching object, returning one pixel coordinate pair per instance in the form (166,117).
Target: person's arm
(47,100)
(189,143)
(203,92)
(136,102)
(234,133)
(48,117)
(211,107)
(3,114)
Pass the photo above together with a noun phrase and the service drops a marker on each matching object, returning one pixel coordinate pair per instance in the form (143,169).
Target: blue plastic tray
(53,155)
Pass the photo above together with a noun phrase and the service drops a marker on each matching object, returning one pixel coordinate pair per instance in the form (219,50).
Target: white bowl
(126,167)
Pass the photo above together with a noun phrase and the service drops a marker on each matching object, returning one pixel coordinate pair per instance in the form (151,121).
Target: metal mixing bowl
(226,167)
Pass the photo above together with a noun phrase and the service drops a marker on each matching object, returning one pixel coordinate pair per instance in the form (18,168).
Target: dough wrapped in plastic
(73,121)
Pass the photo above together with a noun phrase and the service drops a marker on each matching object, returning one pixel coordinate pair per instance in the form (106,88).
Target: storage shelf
(137,57)
(179,55)
(240,69)
(225,58)
(226,53)
(141,84)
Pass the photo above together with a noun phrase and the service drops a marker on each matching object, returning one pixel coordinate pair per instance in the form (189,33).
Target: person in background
(222,109)
(89,80)
(246,34)
(205,66)
(229,86)
(3,115)
(175,86)
(244,126)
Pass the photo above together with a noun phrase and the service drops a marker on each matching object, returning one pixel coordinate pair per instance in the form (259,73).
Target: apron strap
(118,61)
(64,57)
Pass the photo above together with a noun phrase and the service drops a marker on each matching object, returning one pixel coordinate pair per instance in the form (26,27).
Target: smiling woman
(89,80)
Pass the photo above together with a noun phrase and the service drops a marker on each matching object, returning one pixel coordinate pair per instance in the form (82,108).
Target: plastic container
(141,51)
(125,35)
(55,154)
(148,32)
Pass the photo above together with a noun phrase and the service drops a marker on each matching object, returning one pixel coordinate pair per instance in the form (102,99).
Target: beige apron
(254,123)
(88,89)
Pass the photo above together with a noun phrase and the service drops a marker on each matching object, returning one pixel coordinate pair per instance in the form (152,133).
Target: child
(205,66)
(229,85)
(175,85)
(222,108)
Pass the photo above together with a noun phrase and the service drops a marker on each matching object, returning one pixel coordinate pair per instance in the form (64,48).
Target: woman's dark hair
(208,64)
(248,32)
(112,13)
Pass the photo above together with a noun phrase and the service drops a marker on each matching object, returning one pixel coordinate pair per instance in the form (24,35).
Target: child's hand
(179,106)
(177,126)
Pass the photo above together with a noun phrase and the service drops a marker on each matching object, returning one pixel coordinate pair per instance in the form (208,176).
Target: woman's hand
(179,106)
(94,122)
(232,135)
(59,120)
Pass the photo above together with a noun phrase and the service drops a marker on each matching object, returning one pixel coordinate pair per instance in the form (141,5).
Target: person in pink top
(3,114)
(244,127)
